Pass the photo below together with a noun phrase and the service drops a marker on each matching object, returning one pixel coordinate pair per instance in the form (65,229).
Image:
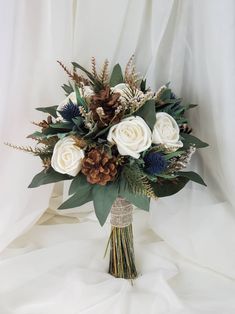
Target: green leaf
(193,176)
(76,65)
(80,100)
(104,197)
(166,176)
(169,187)
(50,176)
(189,140)
(140,201)
(189,106)
(78,121)
(103,131)
(76,200)
(80,185)
(92,133)
(143,86)
(148,113)
(166,94)
(36,135)
(67,88)
(174,154)
(116,76)
(96,83)
(51,110)
(61,125)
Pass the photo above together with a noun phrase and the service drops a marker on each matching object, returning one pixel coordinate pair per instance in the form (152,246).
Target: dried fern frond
(137,181)
(38,151)
(104,73)
(131,76)
(129,66)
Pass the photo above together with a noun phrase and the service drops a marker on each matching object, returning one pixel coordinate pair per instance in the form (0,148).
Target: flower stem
(122,258)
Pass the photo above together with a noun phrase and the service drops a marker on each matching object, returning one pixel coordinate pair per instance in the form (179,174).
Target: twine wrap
(121,213)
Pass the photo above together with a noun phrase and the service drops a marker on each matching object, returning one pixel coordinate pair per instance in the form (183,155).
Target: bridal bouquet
(120,144)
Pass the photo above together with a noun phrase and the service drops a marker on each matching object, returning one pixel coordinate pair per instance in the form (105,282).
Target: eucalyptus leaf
(143,86)
(76,200)
(46,177)
(189,140)
(80,100)
(166,94)
(148,113)
(189,106)
(51,110)
(116,76)
(174,154)
(67,88)
(103,131)
(78,121)
(193,176)
(169,187)
(103,198)
(96,83)
(166,176)
(79,185)
(76,65)
(37,134)
(62,125)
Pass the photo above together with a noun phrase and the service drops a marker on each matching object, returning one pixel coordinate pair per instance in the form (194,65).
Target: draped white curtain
(56,266)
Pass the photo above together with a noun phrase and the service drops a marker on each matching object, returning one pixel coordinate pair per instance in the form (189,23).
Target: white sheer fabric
(56,266)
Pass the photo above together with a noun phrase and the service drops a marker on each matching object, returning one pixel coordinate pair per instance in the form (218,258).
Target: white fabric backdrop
(56,266)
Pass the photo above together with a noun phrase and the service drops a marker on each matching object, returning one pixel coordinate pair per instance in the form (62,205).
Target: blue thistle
(70,111)
(155,163)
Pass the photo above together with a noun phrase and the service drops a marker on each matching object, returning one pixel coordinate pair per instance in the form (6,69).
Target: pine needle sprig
(137,181)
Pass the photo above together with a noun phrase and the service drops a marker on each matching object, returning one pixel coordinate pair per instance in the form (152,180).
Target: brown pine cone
(104,106)
(99,167)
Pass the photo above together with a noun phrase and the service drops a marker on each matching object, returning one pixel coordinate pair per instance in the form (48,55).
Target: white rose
(166,131)
(132,136)
(67,157)
(124,90)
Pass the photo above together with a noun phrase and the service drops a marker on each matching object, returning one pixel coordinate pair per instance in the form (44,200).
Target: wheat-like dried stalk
(93,67)
(104,74)
(70,74)
(74,76)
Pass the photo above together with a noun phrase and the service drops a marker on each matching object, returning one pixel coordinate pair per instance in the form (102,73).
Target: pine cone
(99,167)
(104,106)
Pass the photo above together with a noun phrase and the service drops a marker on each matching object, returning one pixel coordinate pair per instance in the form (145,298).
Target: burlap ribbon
(121,213)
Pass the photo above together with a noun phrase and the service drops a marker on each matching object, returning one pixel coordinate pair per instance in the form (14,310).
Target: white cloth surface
(58,268)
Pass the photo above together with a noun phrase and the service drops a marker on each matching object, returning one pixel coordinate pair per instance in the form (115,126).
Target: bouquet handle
(122,257)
